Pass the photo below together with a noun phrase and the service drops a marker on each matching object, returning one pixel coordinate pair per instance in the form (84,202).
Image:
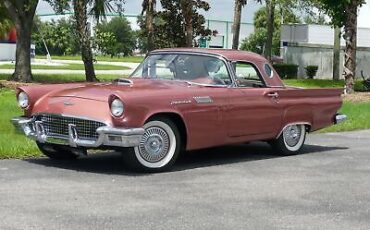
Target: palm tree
(149,7)
(270,5)
(97,8)
(350,35)
(237,20)
(239,4)
(187,11)
(82,9)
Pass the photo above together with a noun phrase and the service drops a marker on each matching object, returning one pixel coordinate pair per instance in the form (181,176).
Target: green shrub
(311,71)
(359,86)
(287,71)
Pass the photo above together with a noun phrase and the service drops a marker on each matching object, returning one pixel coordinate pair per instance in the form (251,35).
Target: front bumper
(107,136)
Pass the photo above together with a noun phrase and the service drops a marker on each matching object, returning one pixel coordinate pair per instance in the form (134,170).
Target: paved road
(238,187)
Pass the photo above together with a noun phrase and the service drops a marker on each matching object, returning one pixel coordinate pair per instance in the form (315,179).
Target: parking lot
(234,187)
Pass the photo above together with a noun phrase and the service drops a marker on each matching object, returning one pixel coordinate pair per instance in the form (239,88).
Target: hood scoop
(123,81)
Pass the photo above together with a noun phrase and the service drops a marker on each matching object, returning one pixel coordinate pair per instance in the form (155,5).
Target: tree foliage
(60,37)
(5,22)
(115,37)
(170,27)
(256,42)
(82,10)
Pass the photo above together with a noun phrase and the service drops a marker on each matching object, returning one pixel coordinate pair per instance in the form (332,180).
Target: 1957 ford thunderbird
(177,99)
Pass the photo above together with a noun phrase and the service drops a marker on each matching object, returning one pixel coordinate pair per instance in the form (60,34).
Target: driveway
(235,187)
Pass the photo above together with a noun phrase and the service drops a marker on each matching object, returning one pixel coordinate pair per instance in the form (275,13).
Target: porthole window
(268,70)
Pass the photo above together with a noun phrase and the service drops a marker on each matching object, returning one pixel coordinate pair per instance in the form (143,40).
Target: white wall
(320,35)
(7,52)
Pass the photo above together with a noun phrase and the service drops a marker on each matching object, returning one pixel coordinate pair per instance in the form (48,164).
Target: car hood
(102,91)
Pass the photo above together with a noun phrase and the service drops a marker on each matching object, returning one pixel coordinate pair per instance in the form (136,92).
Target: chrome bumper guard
(107,136)
(340,118)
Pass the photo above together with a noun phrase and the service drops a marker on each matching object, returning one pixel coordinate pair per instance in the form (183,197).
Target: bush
(287,71)
(311,71)
(359,86)
(60,37)
(115,38)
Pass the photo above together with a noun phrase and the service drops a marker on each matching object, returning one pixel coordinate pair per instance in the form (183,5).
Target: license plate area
(58,141)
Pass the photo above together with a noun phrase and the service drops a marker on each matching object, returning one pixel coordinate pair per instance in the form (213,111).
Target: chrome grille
(56,125)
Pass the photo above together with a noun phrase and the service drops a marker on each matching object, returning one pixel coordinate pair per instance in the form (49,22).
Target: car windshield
(184,67)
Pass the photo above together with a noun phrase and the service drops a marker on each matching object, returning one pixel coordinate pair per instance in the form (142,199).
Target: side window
(164,70)
(247,75)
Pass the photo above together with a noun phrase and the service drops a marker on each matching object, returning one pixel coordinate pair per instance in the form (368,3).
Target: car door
(253,109)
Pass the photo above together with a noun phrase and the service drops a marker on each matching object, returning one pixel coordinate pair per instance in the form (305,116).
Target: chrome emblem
(203,100)
(180,102)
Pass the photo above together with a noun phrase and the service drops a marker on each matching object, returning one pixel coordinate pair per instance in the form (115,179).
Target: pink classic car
(176,100)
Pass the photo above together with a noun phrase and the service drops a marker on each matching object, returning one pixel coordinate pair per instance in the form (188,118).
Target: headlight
(117,108)
(23,100)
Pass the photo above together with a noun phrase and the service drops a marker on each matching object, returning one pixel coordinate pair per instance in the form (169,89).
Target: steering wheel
(218,80)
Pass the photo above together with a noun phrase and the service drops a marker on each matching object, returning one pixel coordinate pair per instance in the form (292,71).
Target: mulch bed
(357,97)
(13,84)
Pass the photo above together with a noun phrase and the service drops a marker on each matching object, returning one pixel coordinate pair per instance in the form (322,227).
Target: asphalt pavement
(234,187)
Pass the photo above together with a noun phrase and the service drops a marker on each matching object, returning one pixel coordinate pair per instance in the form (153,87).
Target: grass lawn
(62,78)
(319,83)
(13,145)
(135,59)
(69,67)
(358,117)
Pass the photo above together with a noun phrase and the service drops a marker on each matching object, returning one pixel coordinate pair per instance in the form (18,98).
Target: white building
(306,45)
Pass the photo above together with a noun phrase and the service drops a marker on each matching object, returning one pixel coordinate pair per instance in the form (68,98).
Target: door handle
(275,94)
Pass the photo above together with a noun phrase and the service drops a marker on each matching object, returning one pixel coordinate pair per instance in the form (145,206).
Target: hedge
(287,71)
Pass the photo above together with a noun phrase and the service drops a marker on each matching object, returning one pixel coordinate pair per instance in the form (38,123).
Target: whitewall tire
(291,140)
(159,147)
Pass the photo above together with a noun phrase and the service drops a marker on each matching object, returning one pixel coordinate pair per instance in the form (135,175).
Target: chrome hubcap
(154,144)
(292,135)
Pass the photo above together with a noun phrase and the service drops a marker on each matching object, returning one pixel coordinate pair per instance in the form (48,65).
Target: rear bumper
(340,118)
(107,136)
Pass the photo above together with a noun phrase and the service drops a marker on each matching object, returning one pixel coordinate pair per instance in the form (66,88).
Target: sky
(220,10)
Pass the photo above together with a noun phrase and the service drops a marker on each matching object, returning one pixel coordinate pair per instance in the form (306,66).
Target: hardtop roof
(231,55)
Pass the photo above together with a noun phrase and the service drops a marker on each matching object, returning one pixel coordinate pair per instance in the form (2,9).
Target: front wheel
(158,149)
(290,141)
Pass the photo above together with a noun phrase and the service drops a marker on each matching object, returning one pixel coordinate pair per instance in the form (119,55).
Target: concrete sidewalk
(60,69)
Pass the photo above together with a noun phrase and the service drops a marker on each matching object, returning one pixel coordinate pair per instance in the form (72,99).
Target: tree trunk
(187,11)
(236,25)
(350,35)
(336,54)
(150,11)
(22,15)
(80,14)
(270,4)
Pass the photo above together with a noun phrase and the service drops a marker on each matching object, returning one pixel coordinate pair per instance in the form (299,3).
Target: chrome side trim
(203,99)
(295,123)
(108,136)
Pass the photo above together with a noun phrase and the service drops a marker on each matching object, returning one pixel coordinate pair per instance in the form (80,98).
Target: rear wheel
(158,149)
(60,152)
(290,141)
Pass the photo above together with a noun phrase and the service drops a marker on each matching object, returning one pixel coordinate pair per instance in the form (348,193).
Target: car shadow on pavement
(111,162)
